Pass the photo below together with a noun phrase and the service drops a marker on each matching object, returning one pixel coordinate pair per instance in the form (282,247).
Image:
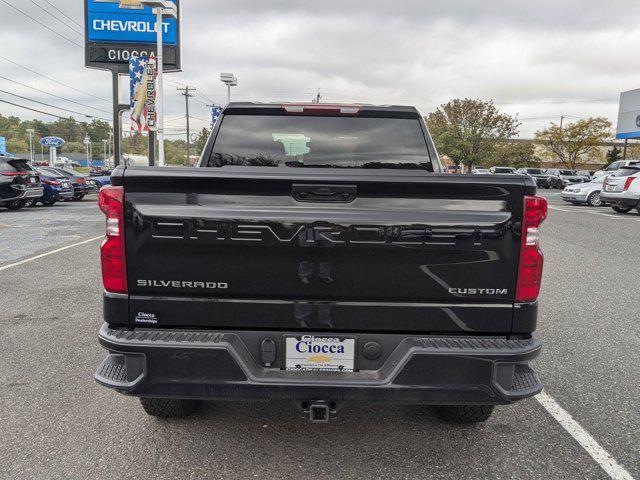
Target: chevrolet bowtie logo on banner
(118,30)
(143,74)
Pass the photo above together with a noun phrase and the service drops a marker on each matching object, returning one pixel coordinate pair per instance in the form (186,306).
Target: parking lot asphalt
(55,422)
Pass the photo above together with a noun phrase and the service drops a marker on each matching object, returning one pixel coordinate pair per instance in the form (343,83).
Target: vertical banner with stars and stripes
(143,74)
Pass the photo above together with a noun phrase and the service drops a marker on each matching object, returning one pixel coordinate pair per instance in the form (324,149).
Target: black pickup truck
(318,253)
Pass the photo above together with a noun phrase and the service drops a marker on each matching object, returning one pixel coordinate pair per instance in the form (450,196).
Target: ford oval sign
(52,142)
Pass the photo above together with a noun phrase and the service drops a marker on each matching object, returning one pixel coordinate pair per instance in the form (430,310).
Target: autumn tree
(515,154)
(575,140)
(471,131)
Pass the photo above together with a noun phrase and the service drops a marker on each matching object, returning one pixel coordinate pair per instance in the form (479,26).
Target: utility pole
(187,95)
(318,98)
(561,132)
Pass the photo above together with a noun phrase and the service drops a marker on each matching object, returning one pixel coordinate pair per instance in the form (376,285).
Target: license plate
(610,188)
(310,353)
(33,180)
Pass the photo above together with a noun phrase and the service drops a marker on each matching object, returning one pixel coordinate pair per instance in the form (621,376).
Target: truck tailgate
(264,248)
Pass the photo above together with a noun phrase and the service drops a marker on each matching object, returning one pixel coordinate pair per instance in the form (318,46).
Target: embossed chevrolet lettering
(311,234)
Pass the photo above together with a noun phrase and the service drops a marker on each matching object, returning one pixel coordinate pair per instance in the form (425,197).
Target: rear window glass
(626,171)
(320,142)
(566,172)
(503,170)
(534,171)
(52,173)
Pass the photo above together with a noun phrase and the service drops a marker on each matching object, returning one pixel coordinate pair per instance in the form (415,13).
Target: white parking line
(586,210)
(46,254)
(586,441)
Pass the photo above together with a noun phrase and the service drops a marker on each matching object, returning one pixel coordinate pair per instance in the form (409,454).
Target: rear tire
(169,407)
(621,209)
(464,413)
(16,204)
(594,199)
(79,197)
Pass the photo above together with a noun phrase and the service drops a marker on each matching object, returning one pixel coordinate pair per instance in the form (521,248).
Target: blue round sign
(52,142)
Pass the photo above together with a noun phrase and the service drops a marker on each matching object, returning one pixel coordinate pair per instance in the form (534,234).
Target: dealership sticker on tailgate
(328,354)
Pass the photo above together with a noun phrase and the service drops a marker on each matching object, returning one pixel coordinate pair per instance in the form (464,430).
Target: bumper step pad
(524,381)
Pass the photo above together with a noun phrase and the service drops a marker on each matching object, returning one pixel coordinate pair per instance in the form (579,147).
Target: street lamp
(230,80)
(104,152)
(31,132)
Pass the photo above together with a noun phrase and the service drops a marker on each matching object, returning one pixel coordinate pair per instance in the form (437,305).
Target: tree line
(74,132)
(475,133)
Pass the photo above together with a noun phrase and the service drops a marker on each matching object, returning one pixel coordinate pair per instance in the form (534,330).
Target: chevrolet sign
(117,30)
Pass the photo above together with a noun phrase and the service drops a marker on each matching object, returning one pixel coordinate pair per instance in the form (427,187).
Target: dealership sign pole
(118,30)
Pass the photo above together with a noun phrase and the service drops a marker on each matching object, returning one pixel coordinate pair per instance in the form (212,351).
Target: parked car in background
(502,171)
(565,178)
(81,184)
(589,192)
(19,183)
(102,181)
(622,189)
(99,172)
(480,171)
(586,174)
(543,180)
(455,169)
(56,187)
(615,166)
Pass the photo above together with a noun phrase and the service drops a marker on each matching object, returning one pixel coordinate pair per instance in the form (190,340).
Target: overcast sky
(538,59)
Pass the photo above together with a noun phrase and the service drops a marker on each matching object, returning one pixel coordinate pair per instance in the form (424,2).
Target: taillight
(114,264)
(81,181)
(14,174)
(531,257)
(51,182)
(628,183)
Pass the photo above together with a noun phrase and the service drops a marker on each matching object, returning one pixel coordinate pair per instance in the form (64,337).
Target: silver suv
(622,189)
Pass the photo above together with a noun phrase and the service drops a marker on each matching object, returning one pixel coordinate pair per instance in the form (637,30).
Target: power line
(63,14)
(49,105)
(53,95)
(73,29)
(54,80)
(33,109)
(42,24)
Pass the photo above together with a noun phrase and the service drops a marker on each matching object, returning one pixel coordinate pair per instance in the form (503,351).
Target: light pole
(104,152)
(87,143)
(230,80)
(31,132)
(162,8)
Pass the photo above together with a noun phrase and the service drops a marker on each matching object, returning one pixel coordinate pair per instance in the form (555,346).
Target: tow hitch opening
(319,411)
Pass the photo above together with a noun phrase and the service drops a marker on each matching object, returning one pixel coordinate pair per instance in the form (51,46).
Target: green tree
(568,145)
(471,131)
(201,141)
(515,154)
(613,155)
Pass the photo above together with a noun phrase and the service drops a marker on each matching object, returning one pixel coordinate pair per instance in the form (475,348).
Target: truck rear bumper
(221,365)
